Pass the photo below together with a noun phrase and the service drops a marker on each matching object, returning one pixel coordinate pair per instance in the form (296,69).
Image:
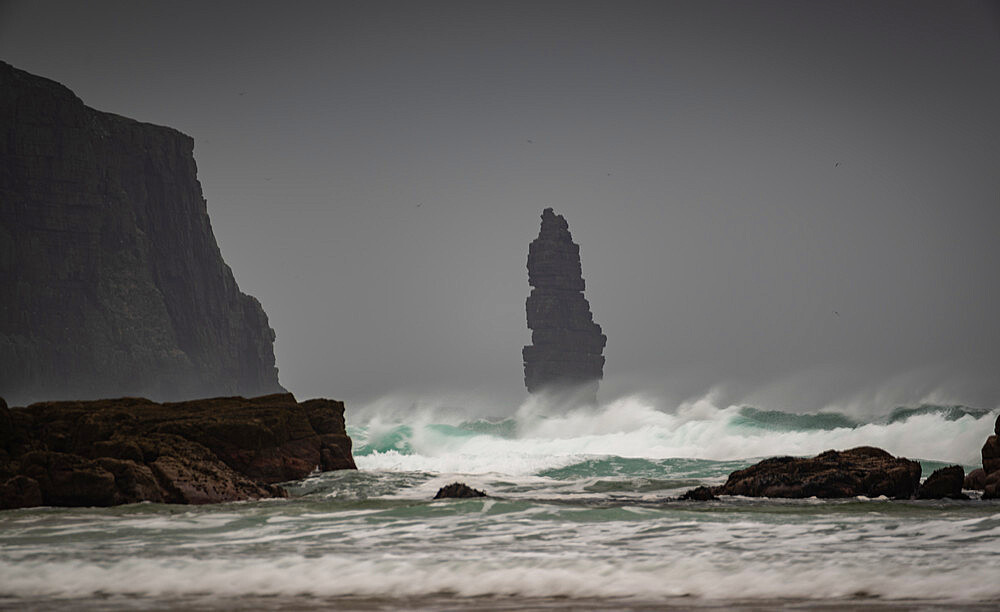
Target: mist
(783,204)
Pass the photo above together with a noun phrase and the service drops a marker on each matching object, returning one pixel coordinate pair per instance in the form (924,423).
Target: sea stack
(111,281)
(566,344)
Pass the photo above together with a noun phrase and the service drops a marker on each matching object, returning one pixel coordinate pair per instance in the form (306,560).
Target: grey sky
(795,203)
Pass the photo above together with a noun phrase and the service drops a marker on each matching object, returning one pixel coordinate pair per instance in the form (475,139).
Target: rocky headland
(111,280)
(566,344)
(109,452)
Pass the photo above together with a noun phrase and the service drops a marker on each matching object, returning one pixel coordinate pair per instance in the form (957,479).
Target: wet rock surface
(458,490)
(109,452)
(944,483)
(566,344)
(865,470)
(112,281)
(991,464)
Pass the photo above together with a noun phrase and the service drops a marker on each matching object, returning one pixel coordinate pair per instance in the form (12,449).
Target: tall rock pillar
(566,345)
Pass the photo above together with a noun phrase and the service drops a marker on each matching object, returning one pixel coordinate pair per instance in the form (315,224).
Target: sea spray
(537,438)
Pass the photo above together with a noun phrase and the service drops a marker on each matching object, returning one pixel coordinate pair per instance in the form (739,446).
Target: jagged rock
(864,470)
(111,277)
(108,452)
(700,494)
(991,464)
(991,454)
(946,482)
(566,344)
(975,480)
(458,490)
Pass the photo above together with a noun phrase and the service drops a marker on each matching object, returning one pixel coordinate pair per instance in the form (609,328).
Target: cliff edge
(111,281)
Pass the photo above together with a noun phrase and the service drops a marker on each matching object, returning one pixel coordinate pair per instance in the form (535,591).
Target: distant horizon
(791,206)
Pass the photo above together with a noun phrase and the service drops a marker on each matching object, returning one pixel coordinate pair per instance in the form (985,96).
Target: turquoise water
(568,524)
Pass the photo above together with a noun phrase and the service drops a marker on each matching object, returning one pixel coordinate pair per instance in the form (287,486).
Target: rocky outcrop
(108,452)
(566,344)
(111,281)
(864,470)
(458,490)
(944,483)
(989,480)
(975,480)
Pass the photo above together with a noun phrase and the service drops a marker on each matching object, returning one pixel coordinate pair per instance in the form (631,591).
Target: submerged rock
(864,470)
(109,452)
(458,490)
(700,494)
(944,483)
(112,281)
(566,344)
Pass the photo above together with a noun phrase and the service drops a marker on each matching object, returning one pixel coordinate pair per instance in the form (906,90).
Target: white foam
(527,576)
(638,427)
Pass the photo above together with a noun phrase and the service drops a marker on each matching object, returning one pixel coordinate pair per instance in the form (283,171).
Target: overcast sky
(796,204)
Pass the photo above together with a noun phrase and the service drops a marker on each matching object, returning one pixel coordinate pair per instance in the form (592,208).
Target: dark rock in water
(975,480)
(990,480)
(111,277)
(108,452)
(946,482)
(991,454)
(458,489)
(865,470)
(991,485)
(566,344)
(700,494)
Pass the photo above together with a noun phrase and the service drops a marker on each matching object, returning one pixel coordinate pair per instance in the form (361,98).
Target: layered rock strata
(865,470)
(566,344)
(109,452)
(111,281)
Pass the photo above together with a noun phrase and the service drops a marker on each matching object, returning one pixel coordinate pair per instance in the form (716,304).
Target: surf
(537,439)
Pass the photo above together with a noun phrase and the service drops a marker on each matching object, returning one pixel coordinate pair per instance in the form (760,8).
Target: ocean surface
(582,515)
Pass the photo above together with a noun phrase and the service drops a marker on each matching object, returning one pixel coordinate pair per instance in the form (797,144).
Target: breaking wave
(538,439)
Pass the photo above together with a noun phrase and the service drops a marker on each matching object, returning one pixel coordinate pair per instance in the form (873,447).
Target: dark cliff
(111,281)
(566,344)
(109,452)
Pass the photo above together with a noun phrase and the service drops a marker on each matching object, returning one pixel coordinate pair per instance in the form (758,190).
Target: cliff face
(566,344)
(111,281)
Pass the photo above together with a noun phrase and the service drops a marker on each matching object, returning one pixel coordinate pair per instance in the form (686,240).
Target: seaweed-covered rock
(108,452)
(458,490)
(865,470)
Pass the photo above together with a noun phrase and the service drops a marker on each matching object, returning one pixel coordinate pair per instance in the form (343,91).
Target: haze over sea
(582,513)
